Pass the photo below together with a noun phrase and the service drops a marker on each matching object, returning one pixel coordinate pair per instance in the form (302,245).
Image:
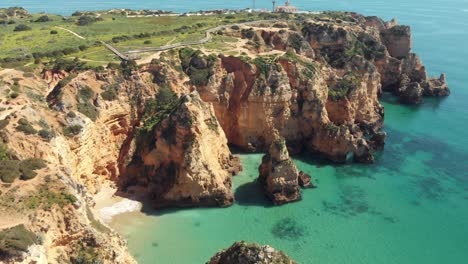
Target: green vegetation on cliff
(343,87)
(26,169)
(45,199)
(158,108)
(196,65)
(15,240)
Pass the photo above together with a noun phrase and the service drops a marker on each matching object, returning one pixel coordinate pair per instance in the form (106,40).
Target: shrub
(4,152)
(196,66)
(87,20)
(22,27)
(15,241)
(85,94)
(342,88)
(43,19)
(25,127)
(157,109)
(295,40)
(83,47)
(53,32)
(109,94)
(9,170)
(127,67)
(67,65)
(71,131)
(68,51)
(147,42)
(29,166)
(88,109)
(71,114)
(87,255)
(46,198)
(46,134)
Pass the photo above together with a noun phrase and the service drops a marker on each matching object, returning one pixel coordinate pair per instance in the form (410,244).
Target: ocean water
(411,206)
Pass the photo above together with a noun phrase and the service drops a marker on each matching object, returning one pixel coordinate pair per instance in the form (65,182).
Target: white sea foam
(124,206)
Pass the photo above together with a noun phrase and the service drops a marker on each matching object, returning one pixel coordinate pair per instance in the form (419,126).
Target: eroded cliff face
(387,45)
(55,204)
(279,175)
(184,160)
(322,93)
(313,106)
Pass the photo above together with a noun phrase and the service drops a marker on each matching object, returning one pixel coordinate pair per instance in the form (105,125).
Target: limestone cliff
(184,160)
(279,175)
(386,45)
(249,253)
(81,155)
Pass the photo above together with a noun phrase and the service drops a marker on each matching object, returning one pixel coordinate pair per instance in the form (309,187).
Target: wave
(124,206)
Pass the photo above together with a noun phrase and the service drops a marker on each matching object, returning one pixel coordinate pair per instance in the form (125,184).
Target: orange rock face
(279,175)
(185,160)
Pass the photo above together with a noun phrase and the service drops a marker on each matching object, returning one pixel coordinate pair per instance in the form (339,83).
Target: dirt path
(78,36)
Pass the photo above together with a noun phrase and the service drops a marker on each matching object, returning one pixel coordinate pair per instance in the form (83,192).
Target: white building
(286,8)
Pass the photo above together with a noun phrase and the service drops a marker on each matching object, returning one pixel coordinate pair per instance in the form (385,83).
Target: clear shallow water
(409,207)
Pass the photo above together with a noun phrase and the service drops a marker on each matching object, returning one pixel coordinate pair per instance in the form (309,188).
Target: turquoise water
(409,207)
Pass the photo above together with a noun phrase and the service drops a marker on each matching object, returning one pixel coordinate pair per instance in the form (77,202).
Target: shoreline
(108,205)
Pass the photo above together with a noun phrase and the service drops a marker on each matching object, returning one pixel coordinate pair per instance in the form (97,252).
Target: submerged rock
(278,174)
(249,253)
(305,180)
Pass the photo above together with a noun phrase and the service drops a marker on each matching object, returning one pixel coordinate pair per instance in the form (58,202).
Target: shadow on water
(251,194)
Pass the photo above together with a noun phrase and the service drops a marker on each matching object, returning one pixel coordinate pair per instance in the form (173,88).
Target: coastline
(109,205)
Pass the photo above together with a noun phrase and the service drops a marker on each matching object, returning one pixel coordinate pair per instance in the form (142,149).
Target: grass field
(153,31)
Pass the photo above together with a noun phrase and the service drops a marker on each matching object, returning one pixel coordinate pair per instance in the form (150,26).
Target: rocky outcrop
(279,174)
(398,40)
(386,45)
(305,180)
(184,160)
(247,253)
(304,100)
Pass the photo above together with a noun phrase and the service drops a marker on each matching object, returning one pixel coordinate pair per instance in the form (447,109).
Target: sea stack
(279,175)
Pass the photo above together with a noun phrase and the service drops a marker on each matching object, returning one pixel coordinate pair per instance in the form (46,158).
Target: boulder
(249,253)
(305,180)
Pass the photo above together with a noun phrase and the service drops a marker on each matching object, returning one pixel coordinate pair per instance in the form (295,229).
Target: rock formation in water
(248,253)
(305,180)
(185,160)
(279,175)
